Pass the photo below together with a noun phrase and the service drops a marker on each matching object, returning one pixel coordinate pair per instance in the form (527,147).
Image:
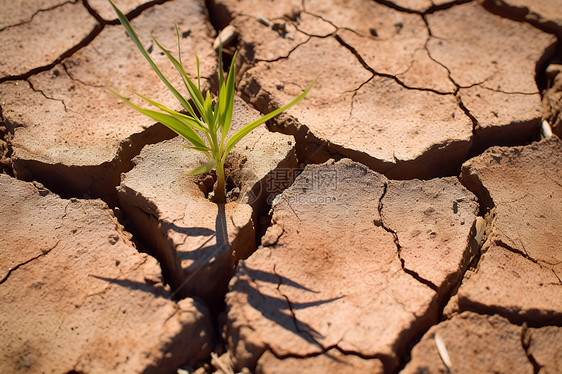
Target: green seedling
(206,123)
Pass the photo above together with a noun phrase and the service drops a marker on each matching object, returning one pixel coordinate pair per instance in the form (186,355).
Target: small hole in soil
(206,183)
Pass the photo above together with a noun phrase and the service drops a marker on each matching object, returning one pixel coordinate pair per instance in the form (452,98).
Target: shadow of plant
(205,252)
(278,309)
(155,290)
(199,278)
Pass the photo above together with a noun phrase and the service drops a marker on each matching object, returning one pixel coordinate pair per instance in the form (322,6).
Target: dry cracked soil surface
(404,218)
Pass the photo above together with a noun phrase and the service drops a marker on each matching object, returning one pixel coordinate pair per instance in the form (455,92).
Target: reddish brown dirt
(404,217)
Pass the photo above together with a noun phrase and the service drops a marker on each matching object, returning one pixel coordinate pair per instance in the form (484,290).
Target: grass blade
(249,127)
(208,108)
(139,45)
(200,149)
(179,42)
(221,74)
(229,101)
(198,73)
(193,91)
(189,121)
(204,168)
(169,121)
(220,105)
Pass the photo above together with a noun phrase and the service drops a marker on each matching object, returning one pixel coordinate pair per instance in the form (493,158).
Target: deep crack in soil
(219,17)
(477,149)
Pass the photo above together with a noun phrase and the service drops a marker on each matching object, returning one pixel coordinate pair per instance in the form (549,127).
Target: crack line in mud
(310,334)
(295,24)
(322,144)
(526,336)
(353,111)
(289,53)
(43,253)
(473,263)
(67,71)
(92,12)
(357,263)
(512,249)
(432,9)
(556,275)
(386,75)
(449,73)
(83,43)
(337,27)
(323,19)
(380,223)
(37,12)
(481,84)
(133,13)
(467,113)
(524,252)
(97,29)
(45,95)
(390,4)
(518,317)
(437,7)
(426,47)
(355,92)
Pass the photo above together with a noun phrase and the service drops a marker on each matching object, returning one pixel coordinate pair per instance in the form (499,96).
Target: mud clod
(398,219)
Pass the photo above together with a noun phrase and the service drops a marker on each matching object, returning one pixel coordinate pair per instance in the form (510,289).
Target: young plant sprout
(206,124)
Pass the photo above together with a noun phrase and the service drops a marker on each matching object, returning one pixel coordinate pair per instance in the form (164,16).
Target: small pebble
(226,35)
(264,21)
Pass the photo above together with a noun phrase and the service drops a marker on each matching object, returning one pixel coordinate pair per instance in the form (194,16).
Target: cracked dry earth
(404,218)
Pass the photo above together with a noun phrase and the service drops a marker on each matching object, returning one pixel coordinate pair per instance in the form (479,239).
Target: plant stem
(220,189)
